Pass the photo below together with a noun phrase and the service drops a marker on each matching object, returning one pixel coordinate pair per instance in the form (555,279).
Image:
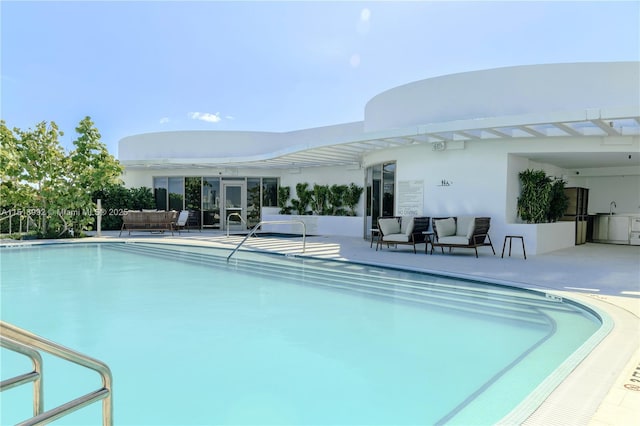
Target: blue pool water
(267,339)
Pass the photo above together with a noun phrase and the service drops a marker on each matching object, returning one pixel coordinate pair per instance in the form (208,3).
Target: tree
(91,168)
(41,174)
(10,169)
(38,178)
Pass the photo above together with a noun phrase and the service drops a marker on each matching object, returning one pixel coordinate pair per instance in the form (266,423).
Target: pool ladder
(272,222)
(29,344)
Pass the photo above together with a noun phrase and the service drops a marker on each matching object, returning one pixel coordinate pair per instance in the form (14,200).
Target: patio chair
(181,223)
(462,232)
(402,230)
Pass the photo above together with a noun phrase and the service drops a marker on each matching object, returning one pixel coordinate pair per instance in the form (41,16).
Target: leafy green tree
(42,173)
(39,178)
(10,169)
(92,167)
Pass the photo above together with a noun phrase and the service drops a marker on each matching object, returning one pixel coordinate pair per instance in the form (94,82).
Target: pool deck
(604,389)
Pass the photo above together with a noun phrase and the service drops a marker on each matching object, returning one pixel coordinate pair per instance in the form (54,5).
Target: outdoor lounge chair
(153,221)
(402,230)
(181,223)
(462,232)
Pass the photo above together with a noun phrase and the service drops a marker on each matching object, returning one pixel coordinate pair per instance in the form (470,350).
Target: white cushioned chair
(401,230)
(462,232)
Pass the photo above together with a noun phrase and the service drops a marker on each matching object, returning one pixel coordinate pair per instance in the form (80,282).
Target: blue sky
(137,67)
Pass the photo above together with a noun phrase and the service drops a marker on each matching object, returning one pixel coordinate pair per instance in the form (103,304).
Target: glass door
(211,202)
(234,204)
(380,193)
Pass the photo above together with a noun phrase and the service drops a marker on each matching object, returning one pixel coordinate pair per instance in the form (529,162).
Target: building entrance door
(234,205)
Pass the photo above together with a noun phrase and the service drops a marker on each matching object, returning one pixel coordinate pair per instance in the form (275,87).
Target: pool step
(467,296)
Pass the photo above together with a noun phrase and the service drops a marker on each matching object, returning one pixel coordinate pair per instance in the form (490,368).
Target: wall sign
(410,197)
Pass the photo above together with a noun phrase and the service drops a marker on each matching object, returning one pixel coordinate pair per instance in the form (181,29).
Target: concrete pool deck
(604,389)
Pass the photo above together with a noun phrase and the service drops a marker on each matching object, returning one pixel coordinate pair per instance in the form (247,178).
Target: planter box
(346,226)
(540,237)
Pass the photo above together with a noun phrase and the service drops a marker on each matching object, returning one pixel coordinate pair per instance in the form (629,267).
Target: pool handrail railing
(27,343)
(229,218)
(272,222)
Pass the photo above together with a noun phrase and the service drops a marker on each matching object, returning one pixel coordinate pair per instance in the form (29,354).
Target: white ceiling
(587,160)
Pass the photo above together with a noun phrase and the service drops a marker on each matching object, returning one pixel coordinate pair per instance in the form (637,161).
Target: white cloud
(205,116)
(164,120)
(354,60)
(364,23)
(365,14)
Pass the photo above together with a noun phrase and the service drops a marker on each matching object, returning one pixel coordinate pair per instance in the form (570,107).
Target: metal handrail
(235,214)
(9,215)
(10,335)
(272,222)
(34,376)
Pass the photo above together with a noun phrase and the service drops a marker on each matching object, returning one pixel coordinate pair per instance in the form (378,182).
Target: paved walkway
(603,390)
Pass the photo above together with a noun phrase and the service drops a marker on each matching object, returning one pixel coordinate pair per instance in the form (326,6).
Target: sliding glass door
(380,193)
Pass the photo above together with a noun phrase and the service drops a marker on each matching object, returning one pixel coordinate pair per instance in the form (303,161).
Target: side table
(375,233)
(428,239)
(510,238)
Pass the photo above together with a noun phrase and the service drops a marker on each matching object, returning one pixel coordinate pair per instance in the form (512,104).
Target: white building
(448,145)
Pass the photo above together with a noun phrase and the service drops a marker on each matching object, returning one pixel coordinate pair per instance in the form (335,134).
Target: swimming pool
(266,339)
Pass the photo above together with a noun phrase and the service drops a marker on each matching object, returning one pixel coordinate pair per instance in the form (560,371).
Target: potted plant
(352,197)
(301,204)
(535,196)
(558,202)
(319,199)
(335,198)
(283,196)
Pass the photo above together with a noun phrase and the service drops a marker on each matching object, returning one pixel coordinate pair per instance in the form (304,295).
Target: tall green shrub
(283,196)
(335,199)
(319,199)
(305,195)
(535,196)
(559,201)
(352,197)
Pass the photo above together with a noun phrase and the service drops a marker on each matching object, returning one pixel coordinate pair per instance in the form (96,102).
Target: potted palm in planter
(535,196)
(542,201)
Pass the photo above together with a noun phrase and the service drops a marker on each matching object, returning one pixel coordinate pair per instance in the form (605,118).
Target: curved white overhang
(349,149)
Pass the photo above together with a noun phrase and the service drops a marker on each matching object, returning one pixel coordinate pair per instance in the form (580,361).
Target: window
(176,193)
(269,192)
(211,202)
(160,191)
(253,201)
